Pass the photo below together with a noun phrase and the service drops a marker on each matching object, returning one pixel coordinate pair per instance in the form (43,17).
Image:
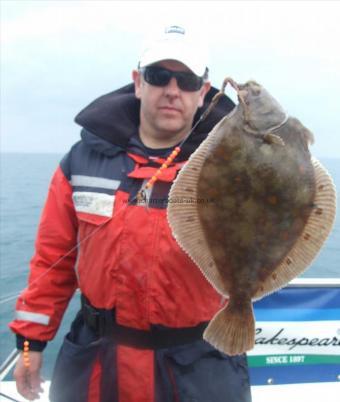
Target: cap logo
(175,29)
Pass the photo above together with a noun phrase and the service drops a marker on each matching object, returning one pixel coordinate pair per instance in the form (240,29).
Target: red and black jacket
(95,235)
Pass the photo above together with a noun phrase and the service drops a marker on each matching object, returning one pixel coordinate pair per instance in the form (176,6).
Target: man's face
(167,112)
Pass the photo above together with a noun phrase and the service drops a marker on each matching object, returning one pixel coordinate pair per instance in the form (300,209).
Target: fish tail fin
(232,330)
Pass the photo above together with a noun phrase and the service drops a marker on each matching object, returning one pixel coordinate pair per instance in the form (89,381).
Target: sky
(58,56)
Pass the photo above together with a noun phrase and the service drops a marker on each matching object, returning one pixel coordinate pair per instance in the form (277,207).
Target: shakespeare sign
(297,336)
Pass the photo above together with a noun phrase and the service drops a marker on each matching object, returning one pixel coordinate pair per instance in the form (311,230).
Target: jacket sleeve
(52,279)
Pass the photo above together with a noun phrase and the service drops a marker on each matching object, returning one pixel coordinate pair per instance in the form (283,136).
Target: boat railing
(12,357)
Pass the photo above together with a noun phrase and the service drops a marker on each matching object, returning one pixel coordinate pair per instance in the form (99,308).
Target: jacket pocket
(96,220)
(75,361)
(93,207)
(200,373)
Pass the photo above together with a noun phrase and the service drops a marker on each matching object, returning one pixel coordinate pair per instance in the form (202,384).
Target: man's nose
(172,88)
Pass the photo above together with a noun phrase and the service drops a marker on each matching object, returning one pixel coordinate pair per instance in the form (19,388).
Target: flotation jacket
(121,254)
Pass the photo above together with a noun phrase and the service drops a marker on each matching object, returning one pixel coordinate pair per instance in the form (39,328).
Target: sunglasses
(160,77)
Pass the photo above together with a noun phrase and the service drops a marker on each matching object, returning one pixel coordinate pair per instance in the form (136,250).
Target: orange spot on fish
(285,236)
(220,152)
(306,236)
(213,192)
(272,200)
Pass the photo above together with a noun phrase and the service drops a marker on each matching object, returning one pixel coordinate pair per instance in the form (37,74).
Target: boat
(297,346)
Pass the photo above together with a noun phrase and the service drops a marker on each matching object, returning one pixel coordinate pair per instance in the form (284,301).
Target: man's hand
(28,379)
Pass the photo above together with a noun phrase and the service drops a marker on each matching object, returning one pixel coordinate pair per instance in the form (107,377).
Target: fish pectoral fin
(232,329)
(271,138)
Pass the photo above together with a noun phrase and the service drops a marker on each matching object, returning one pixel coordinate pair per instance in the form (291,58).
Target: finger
(35,381)
(24,387)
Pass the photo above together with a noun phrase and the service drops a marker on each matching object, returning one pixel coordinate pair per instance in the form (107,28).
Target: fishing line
(142,195)
(65,255)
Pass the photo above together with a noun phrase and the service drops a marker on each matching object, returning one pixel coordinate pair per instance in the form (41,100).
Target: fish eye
(256,90)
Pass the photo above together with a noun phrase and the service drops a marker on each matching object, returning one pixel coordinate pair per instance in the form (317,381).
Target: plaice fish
(252,209)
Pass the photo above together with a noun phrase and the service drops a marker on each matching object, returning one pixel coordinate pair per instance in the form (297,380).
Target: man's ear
(203,91)
(137,79)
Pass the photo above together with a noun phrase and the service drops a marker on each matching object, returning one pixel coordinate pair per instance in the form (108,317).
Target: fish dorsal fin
(315,233)
(183,216)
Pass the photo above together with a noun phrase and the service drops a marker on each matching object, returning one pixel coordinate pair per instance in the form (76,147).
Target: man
(138,336)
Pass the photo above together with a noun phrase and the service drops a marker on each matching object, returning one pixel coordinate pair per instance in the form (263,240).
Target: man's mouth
(170,109)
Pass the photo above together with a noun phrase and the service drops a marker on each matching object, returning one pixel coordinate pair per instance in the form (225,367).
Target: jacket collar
(110,123)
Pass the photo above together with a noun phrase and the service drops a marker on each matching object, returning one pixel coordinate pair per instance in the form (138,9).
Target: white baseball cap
(175,44)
